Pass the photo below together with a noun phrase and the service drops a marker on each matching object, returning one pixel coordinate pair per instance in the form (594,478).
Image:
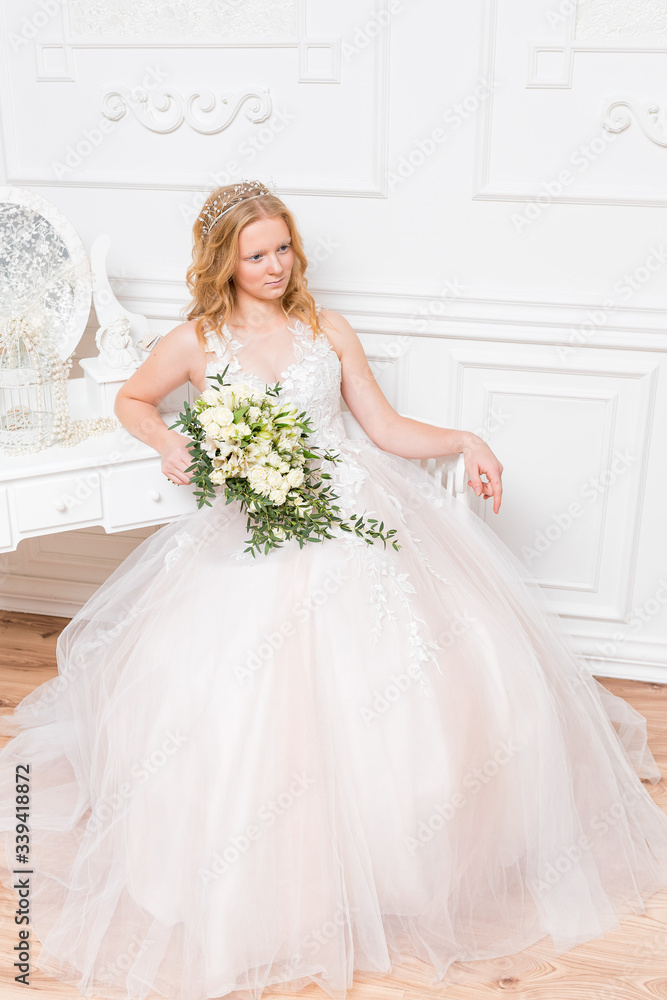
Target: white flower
(253,414)
(257,474)
(241,390)
(274,478)
(222,415)
(211,397)
(277,496)
(217,477)
(279,533)
(295,477)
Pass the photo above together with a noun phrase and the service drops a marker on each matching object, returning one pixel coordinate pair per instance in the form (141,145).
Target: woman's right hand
(176,458)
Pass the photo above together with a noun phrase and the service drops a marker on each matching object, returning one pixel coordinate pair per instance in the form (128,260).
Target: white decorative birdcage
(28,407)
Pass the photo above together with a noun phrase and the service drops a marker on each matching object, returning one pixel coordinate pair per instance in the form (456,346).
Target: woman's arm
(136,406)
(400,435)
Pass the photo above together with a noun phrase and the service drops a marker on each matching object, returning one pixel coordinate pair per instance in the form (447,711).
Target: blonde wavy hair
(215,256)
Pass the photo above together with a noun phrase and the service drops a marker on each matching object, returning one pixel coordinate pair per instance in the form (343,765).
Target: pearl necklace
(64,433)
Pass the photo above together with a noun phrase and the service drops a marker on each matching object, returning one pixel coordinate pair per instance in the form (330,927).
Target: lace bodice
(311,381)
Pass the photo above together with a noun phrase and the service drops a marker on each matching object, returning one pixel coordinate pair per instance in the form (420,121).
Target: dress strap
(216,344)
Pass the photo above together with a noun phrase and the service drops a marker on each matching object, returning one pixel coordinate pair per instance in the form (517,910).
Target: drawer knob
(61,504)
(156,495)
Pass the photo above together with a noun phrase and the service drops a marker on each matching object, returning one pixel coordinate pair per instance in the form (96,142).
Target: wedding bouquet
(246,441)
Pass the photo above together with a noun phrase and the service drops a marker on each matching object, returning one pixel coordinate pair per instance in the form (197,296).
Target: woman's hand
(480,460)
(176,458)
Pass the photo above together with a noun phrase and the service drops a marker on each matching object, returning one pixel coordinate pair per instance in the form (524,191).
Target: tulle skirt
(252,774)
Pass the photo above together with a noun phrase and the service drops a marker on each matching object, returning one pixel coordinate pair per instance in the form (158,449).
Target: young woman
(255,773)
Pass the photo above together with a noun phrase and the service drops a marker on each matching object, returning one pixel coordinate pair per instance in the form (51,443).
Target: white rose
(277,496)
(222,415)
(279,533)
(254,413)
(295,477)
(273,477)
(218,477)
(257,474)
(211,397)
(274,459)
(241,390)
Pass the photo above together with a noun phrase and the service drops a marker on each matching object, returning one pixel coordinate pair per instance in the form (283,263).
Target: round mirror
(44,269)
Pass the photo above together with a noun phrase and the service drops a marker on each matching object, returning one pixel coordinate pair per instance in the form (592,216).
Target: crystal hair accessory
(225,202)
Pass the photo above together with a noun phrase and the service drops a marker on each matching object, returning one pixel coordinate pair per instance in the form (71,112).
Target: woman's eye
(256,256)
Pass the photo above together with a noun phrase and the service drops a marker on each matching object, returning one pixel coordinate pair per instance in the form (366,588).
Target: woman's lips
(280,280)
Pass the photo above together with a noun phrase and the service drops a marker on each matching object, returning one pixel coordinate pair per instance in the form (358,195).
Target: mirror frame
(83,283)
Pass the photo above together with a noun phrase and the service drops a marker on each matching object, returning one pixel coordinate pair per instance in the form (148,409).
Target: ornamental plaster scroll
(166,110)
(619,113)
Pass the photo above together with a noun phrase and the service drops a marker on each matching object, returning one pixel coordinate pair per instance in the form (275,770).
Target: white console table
(116,480)
(113,480)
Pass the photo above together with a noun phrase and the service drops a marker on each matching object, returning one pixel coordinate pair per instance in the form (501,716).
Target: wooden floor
(624,965)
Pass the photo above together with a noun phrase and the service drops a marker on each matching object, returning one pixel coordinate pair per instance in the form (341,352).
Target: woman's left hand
(480,460)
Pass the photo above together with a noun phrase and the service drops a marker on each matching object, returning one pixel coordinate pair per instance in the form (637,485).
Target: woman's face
(265,258)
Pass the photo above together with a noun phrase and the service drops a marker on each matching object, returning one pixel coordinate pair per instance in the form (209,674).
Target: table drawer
(62,500)
(142,494)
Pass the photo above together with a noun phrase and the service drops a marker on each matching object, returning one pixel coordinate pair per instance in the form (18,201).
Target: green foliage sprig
(307,512)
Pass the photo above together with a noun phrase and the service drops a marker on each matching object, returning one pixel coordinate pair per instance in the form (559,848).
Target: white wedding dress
(255,773)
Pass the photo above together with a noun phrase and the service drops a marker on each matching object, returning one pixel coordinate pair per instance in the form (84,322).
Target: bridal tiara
(211,214)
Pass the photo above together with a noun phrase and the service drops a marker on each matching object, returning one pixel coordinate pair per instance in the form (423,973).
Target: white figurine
(115,345)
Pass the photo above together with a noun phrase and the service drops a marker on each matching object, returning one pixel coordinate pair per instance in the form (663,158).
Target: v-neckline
(234,343)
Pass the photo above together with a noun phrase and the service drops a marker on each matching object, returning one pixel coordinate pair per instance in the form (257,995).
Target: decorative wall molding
(485,315)
(550,66)
(175,109)
(649,118)
(317,61)
(613,586)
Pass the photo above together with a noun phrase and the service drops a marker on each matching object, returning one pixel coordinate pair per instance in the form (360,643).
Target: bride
(255,774)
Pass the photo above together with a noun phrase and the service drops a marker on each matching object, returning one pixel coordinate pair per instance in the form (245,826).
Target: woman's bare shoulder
(337,327)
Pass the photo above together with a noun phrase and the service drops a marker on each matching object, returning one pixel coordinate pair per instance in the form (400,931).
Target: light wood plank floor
(628,964)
